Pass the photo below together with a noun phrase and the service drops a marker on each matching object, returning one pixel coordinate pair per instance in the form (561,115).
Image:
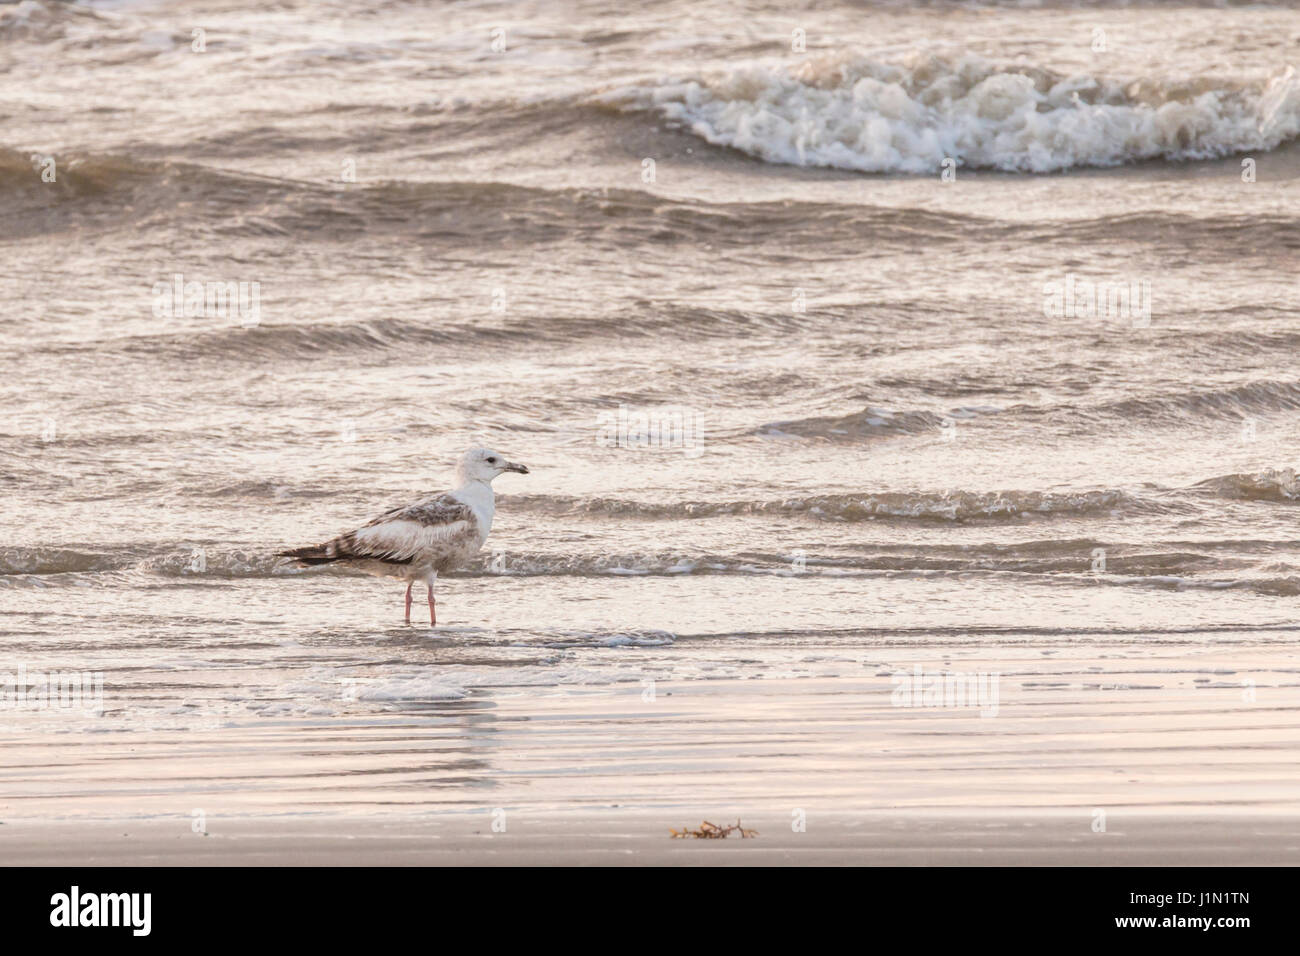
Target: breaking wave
(848,111)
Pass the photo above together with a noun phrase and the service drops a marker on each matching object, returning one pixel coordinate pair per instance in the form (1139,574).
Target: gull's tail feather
(350,547)
(315,554)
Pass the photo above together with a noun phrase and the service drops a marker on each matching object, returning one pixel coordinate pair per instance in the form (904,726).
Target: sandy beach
(633,838)
(1143,763)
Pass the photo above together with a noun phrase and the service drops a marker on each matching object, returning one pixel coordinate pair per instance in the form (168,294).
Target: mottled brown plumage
(421,540)
(444,516)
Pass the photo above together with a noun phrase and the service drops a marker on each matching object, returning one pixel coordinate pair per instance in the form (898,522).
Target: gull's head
(484,464)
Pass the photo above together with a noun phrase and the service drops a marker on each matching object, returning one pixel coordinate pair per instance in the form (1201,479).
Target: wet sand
(619,838)
(1073,769)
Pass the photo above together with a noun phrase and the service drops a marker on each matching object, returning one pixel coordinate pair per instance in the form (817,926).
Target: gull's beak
(514,466)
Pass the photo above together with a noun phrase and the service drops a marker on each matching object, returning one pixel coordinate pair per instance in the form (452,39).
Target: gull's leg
(408,601)
(428,581)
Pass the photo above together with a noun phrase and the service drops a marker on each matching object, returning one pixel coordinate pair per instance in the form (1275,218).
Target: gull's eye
(492,461)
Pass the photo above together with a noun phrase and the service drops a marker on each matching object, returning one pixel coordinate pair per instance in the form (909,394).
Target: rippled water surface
(889,443)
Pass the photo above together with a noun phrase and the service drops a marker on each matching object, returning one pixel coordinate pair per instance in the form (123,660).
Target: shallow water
(786,420)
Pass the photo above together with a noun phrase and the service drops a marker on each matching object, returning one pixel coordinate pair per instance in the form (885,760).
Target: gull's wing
(400,535)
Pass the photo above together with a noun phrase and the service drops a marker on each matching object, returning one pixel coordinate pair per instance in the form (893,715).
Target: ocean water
(839,339)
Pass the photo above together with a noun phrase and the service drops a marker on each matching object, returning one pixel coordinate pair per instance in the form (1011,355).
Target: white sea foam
(851,112)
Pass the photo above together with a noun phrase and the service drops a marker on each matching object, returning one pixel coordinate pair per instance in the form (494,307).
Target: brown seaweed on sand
(711,831)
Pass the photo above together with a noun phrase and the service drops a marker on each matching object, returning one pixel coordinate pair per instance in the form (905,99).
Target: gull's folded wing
(400,535)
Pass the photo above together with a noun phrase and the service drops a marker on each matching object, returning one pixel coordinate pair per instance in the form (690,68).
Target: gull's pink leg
(433,617)
(408,602)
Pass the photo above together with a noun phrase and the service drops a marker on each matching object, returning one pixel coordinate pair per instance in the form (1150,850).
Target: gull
(416,541)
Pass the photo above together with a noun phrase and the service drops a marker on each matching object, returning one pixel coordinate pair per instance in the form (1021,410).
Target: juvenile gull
(417,541)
